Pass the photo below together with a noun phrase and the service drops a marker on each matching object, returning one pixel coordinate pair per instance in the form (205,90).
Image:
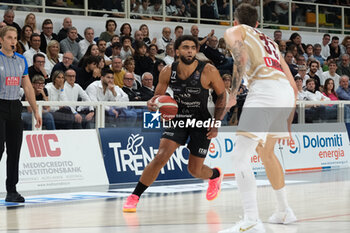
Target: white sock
(244,175)
(281,197)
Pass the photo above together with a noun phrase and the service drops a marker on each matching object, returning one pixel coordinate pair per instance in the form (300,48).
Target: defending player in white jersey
(266,116)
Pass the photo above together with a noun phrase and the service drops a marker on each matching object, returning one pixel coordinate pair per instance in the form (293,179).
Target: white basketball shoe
(246,226)
(286,217)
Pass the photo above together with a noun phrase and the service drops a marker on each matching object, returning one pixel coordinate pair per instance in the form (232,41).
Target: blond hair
(48,53)
(6,29)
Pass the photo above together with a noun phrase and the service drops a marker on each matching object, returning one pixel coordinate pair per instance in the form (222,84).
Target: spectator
(9,16)
(277,36)
(63,33)
(222,48)
(153,52)
(334,48)
(143,9)
(312,94)
(219,59)
(343,90)
(344,68)
(85,75)
(309,52)
(325,53)
(179,30)
(156,9)
(47,34)
(299,84)
(41,94)
(128,87)
(102,45)
(34,49)
(83,116)
(294,49)
(313,67)
(129,65)
(208,12)
(38,67)
(70,45)
(92,50)
(329,89)
(147,91)
(170,8)
(202,41)
(63,116)
(114,39)
(106,90)
(53,55)
(317,54)
(166,39)
(158,66)
(67,63)
(344,44)
(145,33)
(224,8)
(301,74)
(117,68)
(116,50)
(143,63)
(111,27)
(24,41)
(331,74)
(295,38)
(289,60)
(281,9)
(127,49)
(138,36)
(31,21)
(181,9)
(89,34)
(282,45)
(125,30)
(170,54)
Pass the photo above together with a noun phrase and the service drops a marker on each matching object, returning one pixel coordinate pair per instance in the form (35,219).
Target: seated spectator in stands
(309,52)
(143,9)
(111,27)
(65,64)
(63,33)
(201,40)
(24,41)
(47,34)
(317,54)
(89,35)
(344,68)
(63,115)
(317,112)
(289,60)
(53,55)
(170,54)
(106,90)
(329,89)
(153,52)
(302,74)
(158,66)
(145,33)
(325,53)
(34,49)
(343,90)
(281,9)
(208,12)
(114,39)
(125,30)
(83,116)
(116,50)
(170,8)
(147,90)
(102,45)
(85,75)
(277,36)
(129,65)
(344,44)
(224,8)
(331,74)
(9,16)
(299,83)
(41,94)
(219,59)
(313,67)
(127,49)
(179,31)
(118,72)
(31,21)
(143,63)
(70,45)
(129,80)
(156,9)
(295,39)
(282,45)
(181,9)
(166,39)
(223,49)
(138,36)
(334,48)
(38,67)
(92,50)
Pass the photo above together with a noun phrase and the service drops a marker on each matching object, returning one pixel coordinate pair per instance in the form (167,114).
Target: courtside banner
(127,151)
(58,159)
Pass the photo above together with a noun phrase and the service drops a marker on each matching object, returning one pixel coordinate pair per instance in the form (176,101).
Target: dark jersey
(193,100)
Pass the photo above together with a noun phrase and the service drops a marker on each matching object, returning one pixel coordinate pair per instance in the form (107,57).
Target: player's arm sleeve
(25,72)
(164,78)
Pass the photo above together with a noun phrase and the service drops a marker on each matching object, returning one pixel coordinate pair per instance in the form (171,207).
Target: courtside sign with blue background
(127,151)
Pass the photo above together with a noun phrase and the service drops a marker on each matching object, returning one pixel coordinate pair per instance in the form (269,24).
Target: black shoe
(14,197)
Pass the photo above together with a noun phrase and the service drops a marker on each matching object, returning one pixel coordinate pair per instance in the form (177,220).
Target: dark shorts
(198,143)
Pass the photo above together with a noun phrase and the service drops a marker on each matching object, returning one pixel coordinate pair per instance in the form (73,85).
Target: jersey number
(270,48)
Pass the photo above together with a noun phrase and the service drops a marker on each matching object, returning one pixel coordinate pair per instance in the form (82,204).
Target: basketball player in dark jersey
(192,82)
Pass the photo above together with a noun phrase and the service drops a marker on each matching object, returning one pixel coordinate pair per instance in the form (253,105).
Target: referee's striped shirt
(12,69)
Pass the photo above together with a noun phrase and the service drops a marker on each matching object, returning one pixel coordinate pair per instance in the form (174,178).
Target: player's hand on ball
(152,107)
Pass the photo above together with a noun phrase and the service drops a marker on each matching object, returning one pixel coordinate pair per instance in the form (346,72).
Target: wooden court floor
(320,200)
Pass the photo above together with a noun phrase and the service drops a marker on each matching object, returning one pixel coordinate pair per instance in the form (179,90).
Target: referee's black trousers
(11,132)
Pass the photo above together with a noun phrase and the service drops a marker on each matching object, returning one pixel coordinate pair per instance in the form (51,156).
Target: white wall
(155,27)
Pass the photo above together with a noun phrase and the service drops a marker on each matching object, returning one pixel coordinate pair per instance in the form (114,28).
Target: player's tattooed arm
(238,52)
(220,106)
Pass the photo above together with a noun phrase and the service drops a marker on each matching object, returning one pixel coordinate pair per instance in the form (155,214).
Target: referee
(13,74)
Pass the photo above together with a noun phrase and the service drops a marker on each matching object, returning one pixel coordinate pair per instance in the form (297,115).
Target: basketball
(167,106)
